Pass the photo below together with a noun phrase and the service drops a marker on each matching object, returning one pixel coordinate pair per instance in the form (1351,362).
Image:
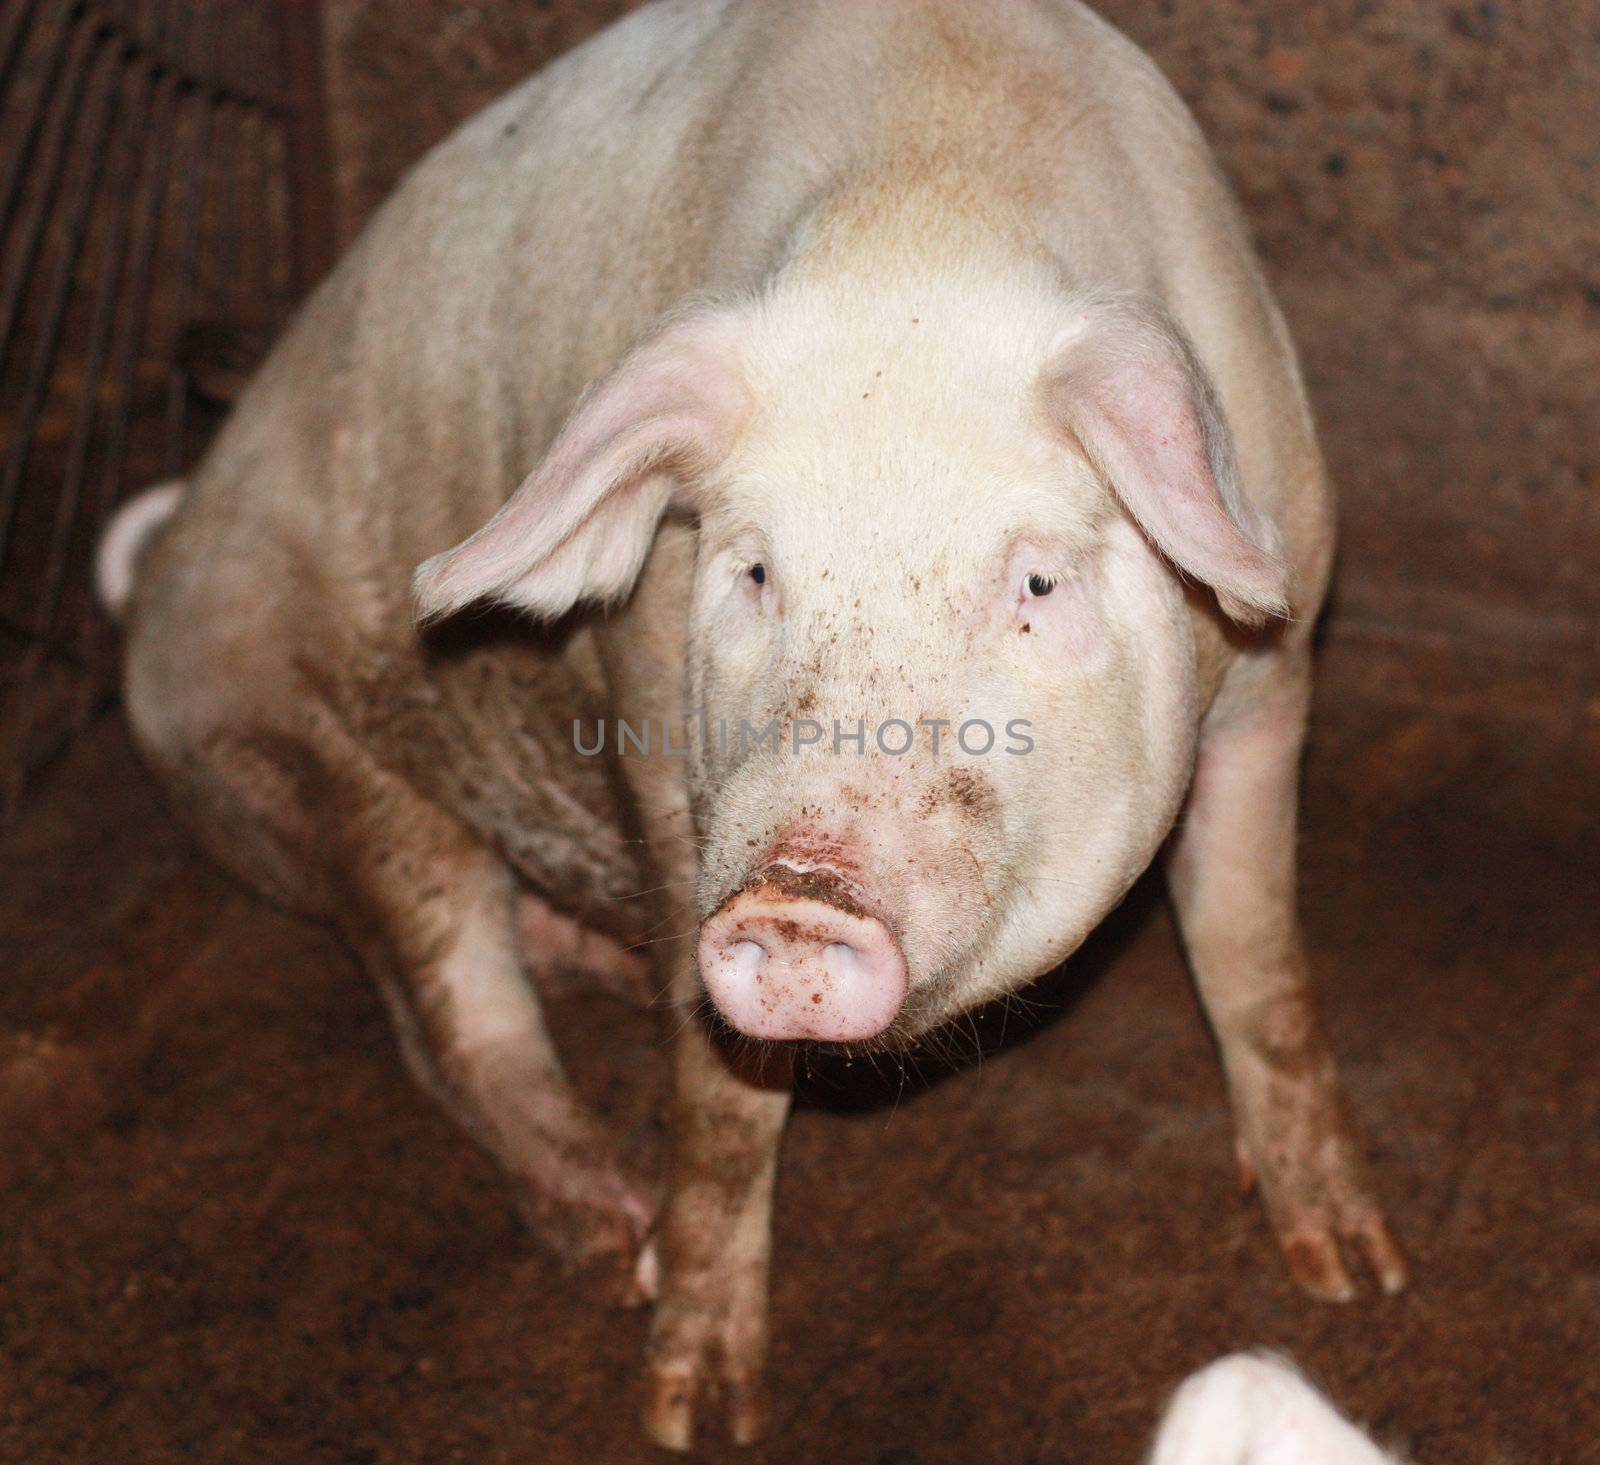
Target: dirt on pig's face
(943,682)
(940,653)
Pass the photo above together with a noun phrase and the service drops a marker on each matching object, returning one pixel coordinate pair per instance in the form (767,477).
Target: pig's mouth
(796,954)
(789,877)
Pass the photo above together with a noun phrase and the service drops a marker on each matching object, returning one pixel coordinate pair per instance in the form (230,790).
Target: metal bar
(54,311)
(137,315)
(102,320)
(77,208)
(188,263)
(16,27)
(133,330)
(306,136)
(86,40)
(219,88)
(53,581)
(127,198)
(65,18)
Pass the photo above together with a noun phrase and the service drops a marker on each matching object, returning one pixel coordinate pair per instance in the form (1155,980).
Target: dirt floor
(233,1231)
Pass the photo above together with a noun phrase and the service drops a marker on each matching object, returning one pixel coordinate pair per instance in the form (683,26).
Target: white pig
(862,366)
(1254,1409)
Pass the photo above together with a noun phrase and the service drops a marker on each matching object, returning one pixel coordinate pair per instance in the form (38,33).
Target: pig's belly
(487,732)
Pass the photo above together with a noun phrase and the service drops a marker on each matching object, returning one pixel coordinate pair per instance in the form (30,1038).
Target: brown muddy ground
(233,1231)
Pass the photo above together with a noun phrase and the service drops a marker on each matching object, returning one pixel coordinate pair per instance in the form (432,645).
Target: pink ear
(582,523)
(1126,384)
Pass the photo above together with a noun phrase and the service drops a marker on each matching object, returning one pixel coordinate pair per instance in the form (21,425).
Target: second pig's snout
(793,955)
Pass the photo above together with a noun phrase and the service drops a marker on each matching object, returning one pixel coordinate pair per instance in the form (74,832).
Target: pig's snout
(785,958)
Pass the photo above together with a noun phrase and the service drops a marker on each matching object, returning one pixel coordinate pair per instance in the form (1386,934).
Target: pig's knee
(566,958)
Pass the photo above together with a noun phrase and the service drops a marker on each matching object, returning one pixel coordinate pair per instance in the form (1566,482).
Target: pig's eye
(1041,585)
(758,573)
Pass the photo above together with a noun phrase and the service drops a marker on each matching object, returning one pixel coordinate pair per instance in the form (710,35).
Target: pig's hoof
(646,1280)
(596,1222)
(1297,1144)
(680,1400)
(1324,1261)
(1329,1224)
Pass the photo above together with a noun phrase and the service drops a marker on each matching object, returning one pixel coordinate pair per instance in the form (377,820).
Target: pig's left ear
(581,524)
(1123,381)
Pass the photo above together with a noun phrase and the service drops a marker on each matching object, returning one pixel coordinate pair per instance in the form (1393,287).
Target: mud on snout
(850,931)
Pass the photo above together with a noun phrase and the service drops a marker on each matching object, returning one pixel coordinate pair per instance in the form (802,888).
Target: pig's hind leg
(438,920)
(1231,869)
(568,959)
(306,816)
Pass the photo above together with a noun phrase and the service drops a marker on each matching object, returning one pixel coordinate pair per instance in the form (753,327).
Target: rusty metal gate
(165,196)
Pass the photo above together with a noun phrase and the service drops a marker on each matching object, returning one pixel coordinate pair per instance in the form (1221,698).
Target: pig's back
(414,389)
(676,153)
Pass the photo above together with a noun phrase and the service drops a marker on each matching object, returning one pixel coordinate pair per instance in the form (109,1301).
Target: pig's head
(957,511)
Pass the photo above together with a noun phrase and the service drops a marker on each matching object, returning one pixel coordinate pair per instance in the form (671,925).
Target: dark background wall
(1423,181)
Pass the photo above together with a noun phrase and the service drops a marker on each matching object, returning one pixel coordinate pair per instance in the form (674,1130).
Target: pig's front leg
(708,1346)
(1231,870)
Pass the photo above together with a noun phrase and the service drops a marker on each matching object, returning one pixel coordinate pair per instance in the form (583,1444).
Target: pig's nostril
(839,959)
(778,966)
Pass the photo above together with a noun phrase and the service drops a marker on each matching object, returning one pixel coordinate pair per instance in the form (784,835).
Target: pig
(873,369)
(1257,1409)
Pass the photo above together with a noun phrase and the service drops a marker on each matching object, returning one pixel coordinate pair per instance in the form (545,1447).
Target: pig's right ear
(1124,382)
(581,524)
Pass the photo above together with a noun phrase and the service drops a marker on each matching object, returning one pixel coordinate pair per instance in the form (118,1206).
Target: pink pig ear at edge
(581,524)
(1128,387)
